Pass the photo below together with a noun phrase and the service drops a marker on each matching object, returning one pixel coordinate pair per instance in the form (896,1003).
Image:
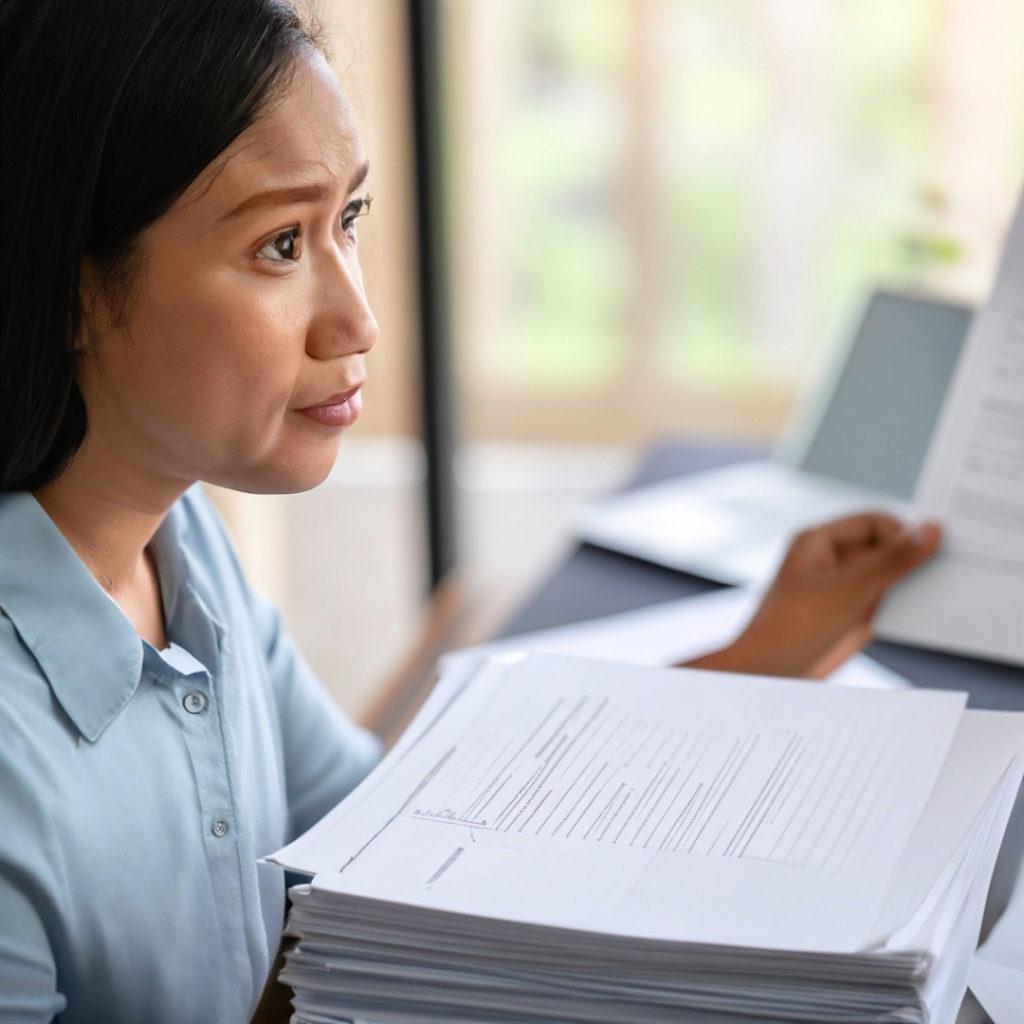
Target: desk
(592,582)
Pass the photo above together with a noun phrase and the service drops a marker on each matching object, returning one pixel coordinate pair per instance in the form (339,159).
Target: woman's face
(247,308)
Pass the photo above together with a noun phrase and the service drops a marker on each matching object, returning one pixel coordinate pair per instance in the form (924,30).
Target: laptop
(857,441)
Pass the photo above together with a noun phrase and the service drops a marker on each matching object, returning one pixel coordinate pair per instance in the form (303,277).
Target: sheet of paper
(970,598)
(668,804)
(985,744)
(956,924)
(955,844)
(322,846)
(661,634)
(675,631)
(997,970)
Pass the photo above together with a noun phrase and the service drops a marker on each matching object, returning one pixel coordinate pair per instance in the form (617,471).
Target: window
(663,210)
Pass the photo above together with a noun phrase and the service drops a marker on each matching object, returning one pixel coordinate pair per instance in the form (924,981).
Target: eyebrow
(313,192)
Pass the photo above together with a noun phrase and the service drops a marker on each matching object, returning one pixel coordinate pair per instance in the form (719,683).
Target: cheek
(222,358)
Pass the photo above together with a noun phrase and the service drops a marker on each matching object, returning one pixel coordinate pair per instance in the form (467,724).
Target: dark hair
(111,108)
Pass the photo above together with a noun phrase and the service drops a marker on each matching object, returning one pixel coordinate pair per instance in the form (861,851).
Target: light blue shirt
(138,789)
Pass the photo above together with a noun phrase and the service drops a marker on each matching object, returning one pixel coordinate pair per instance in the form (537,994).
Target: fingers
(863,529)
(869,551)
(838,542)
(820,606)
(913,546)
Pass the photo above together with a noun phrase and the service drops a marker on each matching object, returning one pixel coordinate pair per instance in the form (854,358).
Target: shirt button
(195,702)
(219,828)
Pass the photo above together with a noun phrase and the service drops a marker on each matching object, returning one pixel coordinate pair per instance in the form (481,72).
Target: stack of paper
(559,839)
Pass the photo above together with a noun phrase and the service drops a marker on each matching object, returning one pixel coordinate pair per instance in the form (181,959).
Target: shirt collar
(84,643)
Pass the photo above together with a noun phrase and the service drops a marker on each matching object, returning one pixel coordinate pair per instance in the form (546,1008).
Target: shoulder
(37,740)
(28,708)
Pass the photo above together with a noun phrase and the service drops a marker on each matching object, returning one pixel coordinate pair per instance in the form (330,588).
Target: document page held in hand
(970,597)
(658,803)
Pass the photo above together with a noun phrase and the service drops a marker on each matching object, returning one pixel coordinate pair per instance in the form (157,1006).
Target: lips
(339,410)
(337,399)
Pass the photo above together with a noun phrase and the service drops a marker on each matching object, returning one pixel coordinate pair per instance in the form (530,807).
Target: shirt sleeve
(326,755)
(29,866)
(28,975)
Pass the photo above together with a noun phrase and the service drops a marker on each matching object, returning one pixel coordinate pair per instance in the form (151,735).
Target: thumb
(911,548)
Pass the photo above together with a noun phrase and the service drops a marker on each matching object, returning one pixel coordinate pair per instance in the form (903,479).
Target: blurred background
(655,218)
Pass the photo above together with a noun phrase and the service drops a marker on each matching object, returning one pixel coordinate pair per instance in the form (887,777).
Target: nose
(343,323)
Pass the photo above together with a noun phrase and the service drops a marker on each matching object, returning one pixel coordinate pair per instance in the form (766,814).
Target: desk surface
(592,582)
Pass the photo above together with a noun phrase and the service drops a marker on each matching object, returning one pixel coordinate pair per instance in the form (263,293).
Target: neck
(108,513)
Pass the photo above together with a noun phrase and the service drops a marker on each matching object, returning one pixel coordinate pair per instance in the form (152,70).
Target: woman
(183,303)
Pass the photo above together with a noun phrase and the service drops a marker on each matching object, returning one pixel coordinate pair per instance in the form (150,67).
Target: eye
(357,208)
(284,247)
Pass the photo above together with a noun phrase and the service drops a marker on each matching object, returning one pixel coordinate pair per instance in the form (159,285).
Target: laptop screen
(877,425)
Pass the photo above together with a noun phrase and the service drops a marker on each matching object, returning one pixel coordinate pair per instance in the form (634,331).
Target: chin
(285,473)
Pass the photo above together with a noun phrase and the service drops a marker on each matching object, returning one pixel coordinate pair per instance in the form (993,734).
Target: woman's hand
(819,608)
